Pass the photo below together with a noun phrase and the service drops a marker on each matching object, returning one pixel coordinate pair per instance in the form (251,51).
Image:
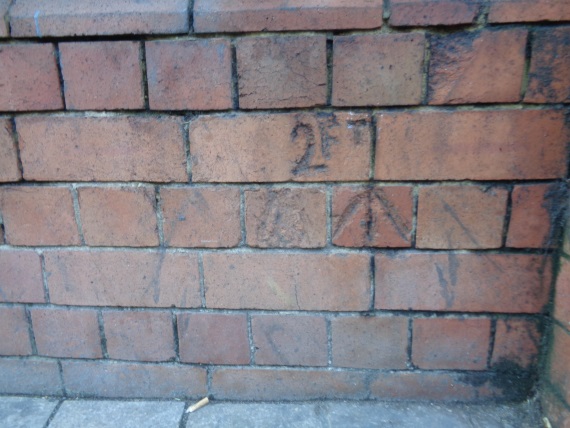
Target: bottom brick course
(31,376)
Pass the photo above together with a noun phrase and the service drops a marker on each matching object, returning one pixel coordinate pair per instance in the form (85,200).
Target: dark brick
(517,341)
(29,376)
(559,363)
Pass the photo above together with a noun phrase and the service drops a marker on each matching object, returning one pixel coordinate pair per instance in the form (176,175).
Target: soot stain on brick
(555,205)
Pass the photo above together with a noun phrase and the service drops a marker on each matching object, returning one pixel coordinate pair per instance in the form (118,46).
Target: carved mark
(447,208)
(358,130)
(448,287)
(401,226)
(304,135)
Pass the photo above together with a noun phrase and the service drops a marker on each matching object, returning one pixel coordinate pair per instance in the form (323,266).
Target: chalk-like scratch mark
(392,213)
(447,208)
(37,23)
(448,287)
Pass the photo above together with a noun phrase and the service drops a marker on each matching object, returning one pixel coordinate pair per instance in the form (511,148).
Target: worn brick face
(213,338)
(290,340)
(29,78)
(477,145)
(66,333)
(38,216)
(449,343)
(336,282)
(303,147)
(378,70)
(517,341)
(286,218)
(21,277)
(123,278)
(139,336)
(14,336)
(102,75)
(370,342)
(201,217)
(507,283)
(36,377)
(528,11)
(477,67)
(9,170)
(469,217)
(118,216)
(559,364)
(426,12)
(372,216)
(189,74)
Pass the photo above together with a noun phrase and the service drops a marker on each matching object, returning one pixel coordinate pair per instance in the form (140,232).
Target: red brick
(477,67)
(461,217)
(201,217)
(553,408)
(430,12)
(282,71)
(123,278)
(9,170)
(531,223)
(370,342)
(378,70)
(140,336)
(56,18)
(549,74)
(478,145)
(105,148)
(189,74)
(4,27)
(131,380)
(559,363)
(21,277)
(517,341)
(275,15)
(304,147)
(372,216)
(336,282)
(562,295)
(278,385)
(38,216)
(30,376)
(529,10)
(66,333)
(286,218)
(29,78)
(14,336)
(118,216)
(507,283)
(448,343)
(290,340)
(102,75)
(213,338)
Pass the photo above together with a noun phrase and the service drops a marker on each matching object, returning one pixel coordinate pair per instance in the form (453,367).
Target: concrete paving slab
(24,412)
(118,414)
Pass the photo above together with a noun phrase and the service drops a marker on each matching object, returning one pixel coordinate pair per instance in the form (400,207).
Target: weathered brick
(189,74)
(123,278)
(528,10)
(478,145)
(201,217)
(21,277)
(517,342)
(372,216)
(336,282)
(286,218)
(110,148)
(378,70)
(9,170)
(213,338)
(559,364)
(277,385)
(29,78)
(533,208)
(430,12)
(118,216)
(139,336)
(450,343)
(4,27)
(477,67)
(282,71)
(370,342)
(131,380)
(275,15)
(508,283)
(29,376)
(552,407)
(56,18)
(38,216)
(549,74)
(562,296)
(303,147)
(14,336)
(102,75)
(66,333)
(290,340)
(461,217)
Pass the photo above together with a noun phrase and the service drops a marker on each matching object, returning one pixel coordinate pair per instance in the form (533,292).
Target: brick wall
(260,202)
